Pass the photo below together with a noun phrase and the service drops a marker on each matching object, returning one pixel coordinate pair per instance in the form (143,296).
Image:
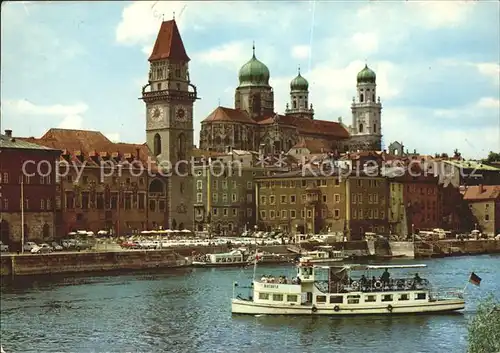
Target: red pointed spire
(169,44)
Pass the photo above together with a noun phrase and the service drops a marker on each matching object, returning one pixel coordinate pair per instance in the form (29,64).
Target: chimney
(481,188)
(8,133)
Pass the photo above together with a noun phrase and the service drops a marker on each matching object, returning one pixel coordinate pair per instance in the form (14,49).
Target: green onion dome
(299,83)
(366,75)
(254,73)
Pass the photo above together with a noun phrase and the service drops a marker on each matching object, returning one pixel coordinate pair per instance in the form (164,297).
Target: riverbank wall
(456,248)
(77,262)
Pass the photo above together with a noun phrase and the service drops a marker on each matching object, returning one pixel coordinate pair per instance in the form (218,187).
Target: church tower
(366,129)
(254,94)
(299,98)
(169,97)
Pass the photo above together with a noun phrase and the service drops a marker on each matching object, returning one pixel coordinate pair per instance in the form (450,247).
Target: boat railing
(396,284)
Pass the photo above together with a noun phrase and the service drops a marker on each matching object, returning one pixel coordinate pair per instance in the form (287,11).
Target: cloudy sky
(81,65)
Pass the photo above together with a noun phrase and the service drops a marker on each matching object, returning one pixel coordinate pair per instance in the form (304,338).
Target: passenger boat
(232,258)
(268,258)
(345,290)
(325,257)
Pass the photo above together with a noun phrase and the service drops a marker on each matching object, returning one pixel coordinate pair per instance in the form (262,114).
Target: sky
(81,65)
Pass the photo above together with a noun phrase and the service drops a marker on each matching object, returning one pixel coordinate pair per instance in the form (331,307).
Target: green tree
(484,327)
(492,157)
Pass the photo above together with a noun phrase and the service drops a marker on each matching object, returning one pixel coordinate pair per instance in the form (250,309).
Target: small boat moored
(232,258)
(335,290)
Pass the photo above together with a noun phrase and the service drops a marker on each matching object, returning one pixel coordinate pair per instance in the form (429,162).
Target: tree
(492,157)
(484,327)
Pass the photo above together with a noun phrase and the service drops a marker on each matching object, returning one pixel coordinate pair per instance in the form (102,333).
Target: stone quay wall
(78,262)
(456,247)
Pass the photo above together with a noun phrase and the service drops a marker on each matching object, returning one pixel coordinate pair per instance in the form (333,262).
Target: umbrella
(102,232)
(169,231)
(185,231)
(145,232)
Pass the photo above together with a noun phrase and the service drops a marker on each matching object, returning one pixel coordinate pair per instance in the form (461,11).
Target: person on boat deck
(363,280)
(417,279)
(385,277)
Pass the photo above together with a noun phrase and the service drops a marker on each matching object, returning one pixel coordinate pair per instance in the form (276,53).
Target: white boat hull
(239,306)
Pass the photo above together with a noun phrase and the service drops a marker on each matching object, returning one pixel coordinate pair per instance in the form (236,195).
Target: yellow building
(484,202)
(298,202)
(397,212)
(368,206)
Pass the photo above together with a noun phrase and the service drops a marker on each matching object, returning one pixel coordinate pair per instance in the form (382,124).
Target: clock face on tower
(181,114)
(156,113)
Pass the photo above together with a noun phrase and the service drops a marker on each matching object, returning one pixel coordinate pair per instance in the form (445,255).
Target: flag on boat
(474,279)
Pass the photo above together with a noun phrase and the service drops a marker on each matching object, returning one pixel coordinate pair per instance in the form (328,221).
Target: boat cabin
(233,256)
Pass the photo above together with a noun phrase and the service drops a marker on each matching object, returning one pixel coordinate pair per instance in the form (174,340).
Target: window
(272,200)
(216,185)
(323,213)
(42,204)
(337,198)
(199,185)
(262,200)
(5,178)
(263,214)
(249,185)
(224,212)
(249,198)
(234,197)
(321,299)
(249,212)
(336,299)
(224,198)
(324,198)
(360,198)
(337,182)
(309,214)
(291,298)
(360,182)
(303,197)
(48,204)
(283,198)
(353,299)
(235,184)
(404,297)
(284,214)
(354,214)
(230,226)
(370,299)
(292,214)
(224,184)
(215,197)
(387,298)
(337,213)
(278,297)
(199,197)
(322,182)
(420,296)
(271,214)
(375,214)
(263,296)
(353,198)
(234,211)
(292,198)
(214,211)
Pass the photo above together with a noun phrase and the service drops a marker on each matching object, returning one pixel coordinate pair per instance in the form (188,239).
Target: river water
(188,310)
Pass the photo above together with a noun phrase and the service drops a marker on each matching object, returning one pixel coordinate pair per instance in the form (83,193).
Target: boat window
(291,297)
(403,297)
(336,299)
(321,299)
(263,296)
(278,297)
(387,298)
(353,299)
(370,299)
(420,296)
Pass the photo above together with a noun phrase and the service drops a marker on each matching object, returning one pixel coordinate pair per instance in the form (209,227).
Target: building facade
(484,202)
(397,210)
(106,186)
(298,202)
(368,205)
(169,98)
(254,121)
(28,173)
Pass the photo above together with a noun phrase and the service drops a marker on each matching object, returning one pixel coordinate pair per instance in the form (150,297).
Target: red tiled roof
(229,114)
(169,43)
(198,153)
(90,146)
(315,145)
(309,126)
(482,192)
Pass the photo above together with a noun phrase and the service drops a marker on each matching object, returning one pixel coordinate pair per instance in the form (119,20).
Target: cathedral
(254,125)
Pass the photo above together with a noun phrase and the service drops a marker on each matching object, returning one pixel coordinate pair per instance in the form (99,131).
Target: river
(188,310)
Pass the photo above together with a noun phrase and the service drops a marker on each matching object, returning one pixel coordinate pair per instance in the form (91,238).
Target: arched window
(360,128)
(361,98)
(156,186)
(157,145)
(46,231)
(181,147)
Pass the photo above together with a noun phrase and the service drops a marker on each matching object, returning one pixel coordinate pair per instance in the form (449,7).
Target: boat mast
(22,214)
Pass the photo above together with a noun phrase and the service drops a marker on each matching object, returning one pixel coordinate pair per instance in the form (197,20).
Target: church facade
(254,125)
